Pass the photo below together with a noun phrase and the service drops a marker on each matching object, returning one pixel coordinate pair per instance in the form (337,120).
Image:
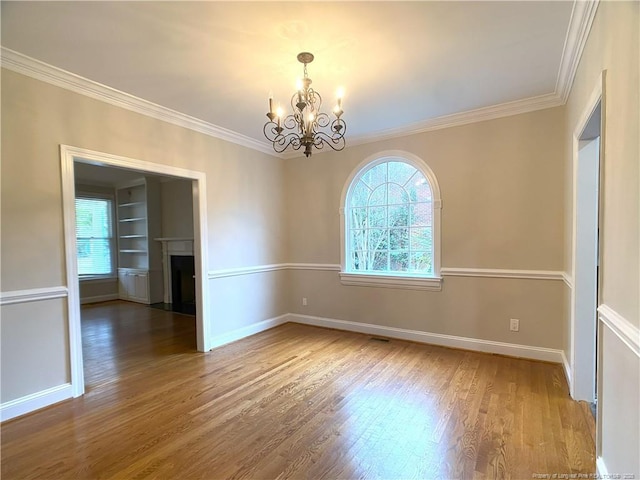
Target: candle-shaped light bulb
(299,88)
(271,102)
(279,113)
(340,94)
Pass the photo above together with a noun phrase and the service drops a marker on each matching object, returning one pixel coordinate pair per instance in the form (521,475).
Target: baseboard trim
(240,333)
(486,346)
(35,401)
(99,298)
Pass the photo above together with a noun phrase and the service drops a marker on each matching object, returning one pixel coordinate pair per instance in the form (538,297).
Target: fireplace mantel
(172,246)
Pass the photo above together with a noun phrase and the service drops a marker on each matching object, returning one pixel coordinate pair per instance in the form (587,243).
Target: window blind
(94,234)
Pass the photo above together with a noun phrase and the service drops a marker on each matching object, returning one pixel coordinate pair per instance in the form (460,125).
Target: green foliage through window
(389,216)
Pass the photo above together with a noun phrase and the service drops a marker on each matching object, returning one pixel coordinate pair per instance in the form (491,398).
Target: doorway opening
(72,156)
(586,253)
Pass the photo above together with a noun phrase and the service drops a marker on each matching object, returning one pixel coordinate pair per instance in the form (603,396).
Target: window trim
(393,279)
(96,278)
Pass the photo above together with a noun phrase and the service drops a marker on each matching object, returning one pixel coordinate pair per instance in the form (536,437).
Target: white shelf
(139,259)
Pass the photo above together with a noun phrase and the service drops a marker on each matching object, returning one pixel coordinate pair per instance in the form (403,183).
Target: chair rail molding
(502,273)
(32,295)
(445,271)
(623,328)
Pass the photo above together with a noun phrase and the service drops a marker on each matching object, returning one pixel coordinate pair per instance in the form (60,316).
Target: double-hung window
(391,225)
(94,236)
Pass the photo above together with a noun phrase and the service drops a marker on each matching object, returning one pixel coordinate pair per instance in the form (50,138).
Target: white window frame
(413,281)
(114,238)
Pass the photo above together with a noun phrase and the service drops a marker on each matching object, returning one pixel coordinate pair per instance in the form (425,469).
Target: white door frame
(583,372)
(69,155)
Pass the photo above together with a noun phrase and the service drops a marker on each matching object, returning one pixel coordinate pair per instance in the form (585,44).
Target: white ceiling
(401,63)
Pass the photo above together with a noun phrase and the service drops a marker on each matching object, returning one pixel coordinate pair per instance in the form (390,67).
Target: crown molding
(506,109)
(33,68)
(582,16)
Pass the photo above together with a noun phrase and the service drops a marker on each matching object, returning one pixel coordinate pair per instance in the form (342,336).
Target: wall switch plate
(514,325)
(304,301)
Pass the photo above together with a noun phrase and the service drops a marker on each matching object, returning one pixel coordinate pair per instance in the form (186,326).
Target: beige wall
(177,209)
(34,345)
(478,308)
(244,206)
(502,190)
(614,46)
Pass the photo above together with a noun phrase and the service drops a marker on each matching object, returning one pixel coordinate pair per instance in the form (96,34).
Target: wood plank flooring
(295,402)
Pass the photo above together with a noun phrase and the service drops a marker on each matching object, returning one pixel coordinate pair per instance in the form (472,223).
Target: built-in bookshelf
(139,259)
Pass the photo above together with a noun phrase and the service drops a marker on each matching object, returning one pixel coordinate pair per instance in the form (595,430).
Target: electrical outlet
(514,325)
(304,301)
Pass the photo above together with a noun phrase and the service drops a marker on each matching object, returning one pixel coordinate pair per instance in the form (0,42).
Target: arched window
(391,224)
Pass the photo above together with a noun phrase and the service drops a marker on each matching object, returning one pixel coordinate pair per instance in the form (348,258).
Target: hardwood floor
(295,402)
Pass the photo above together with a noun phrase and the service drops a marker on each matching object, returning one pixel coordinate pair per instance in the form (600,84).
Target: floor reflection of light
(389,434)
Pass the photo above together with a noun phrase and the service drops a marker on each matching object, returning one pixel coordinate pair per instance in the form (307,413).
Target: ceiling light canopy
(307,126)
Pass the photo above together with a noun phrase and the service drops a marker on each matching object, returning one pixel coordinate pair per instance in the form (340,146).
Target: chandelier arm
(270,131)
(284,141)
(307,126)
(321,139)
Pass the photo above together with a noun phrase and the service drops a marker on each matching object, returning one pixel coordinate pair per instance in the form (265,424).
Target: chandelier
(307,126)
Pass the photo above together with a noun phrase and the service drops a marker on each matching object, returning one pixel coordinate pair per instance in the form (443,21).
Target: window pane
(94,232)
(421,262)
(376,176)
(397,194)
(399,216)
(377,239)
(421,239)
(377,217)
(358,240)
(357,261)
(399,238)
(400,172)
(94,256)
(379,196)
(358,217)
(419,189)
(360,195)
(390,220)
(93,218)
(399,261)
(422,214)
(380,261)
